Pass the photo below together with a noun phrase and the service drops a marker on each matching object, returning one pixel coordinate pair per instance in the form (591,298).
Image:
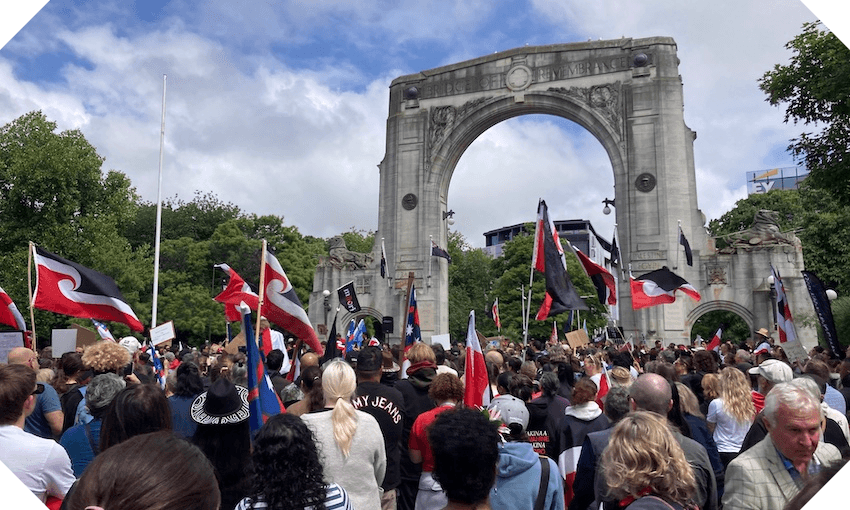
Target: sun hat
(224,403)
(773,370)
(763,332)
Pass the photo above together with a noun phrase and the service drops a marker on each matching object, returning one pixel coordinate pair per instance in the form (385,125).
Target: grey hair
(808,384)
(549,383)
(617,403)
(793,396)
(102,389)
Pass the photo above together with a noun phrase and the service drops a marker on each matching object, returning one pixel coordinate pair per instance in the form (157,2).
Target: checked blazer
(757,479)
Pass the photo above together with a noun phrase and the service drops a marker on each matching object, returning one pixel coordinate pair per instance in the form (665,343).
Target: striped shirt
(336,499)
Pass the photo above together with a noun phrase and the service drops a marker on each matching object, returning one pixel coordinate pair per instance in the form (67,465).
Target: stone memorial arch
(626,92)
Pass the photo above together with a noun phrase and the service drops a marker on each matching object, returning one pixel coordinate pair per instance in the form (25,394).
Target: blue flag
(263,401)
(412,333)
(357,336)
(158,370)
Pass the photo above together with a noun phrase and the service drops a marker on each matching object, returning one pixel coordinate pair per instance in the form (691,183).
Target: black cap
(370,359)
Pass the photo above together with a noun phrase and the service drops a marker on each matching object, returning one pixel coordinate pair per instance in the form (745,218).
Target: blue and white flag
(102,330)
(357,336)
(158,369)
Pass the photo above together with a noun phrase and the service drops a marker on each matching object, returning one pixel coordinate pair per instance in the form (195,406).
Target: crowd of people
(656,427)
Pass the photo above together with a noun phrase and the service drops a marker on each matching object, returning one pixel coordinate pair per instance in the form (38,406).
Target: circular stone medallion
(409,201)
(518,78)
(645,182)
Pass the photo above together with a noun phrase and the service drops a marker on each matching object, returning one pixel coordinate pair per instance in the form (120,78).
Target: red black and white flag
(548,258)
(237,291)
(606,287)
(68,288)
(658,288)
(493,313)
(689,256)
(282,306)
(9,313)
(714,344)
(784,321)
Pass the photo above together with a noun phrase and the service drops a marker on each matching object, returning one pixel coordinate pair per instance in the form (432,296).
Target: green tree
(736,331)
(54,192)
(817,218)
(512,272)
(815,89)
(469,287)
(359,240)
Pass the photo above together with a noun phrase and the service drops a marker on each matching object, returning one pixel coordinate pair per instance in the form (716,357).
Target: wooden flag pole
(262,289)
(32,298)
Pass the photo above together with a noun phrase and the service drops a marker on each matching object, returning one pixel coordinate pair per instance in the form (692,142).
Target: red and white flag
(714,344)
(628,346)
(659,287)
(282,306)
(784,321)
(237,291)
(553,338)
(68,288)
(9,313)
(476,391)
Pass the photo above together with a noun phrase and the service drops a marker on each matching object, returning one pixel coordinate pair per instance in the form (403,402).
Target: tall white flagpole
(158,211)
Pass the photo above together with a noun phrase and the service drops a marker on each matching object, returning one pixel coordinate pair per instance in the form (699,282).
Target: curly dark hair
(275,478)
(446,387)
(465,449)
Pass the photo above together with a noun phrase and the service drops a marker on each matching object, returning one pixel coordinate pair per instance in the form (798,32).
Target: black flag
(348,298)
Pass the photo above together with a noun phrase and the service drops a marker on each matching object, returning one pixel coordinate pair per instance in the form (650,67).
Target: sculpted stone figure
(764,232)
(342,258)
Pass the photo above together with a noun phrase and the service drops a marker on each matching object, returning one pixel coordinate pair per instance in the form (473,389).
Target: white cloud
(302,140)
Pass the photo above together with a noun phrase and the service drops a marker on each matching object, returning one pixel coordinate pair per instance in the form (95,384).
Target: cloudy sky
(280,106)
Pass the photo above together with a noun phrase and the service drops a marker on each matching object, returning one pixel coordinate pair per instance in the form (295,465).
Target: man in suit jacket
(770,473)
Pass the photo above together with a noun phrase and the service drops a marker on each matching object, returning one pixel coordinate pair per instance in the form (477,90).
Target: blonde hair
(688,402)
(338,384)
(642,452)
(620,376)
(736,395)
(710,386)
(421,352)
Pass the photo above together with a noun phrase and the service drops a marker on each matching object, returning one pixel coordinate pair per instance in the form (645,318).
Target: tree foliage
(815,89)
(512,273)
(736,330)
(469,287)
(817,218)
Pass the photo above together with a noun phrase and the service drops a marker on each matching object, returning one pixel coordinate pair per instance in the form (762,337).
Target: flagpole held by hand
(262,288)
(32,298)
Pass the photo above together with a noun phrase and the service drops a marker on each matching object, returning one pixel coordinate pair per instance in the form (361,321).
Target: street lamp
(831,295)
(327,300)
(607,210)
(449,215)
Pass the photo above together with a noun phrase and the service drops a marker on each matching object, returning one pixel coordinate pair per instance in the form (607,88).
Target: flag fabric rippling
(477,386)
(263,401)
(282,306)
(9,313)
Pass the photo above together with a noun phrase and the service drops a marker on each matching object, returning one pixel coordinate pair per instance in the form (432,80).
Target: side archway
(727,306)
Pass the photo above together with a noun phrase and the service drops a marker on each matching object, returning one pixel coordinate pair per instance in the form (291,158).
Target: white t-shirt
(729,434)
(41,464)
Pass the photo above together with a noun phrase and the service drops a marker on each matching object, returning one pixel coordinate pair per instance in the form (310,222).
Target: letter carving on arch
(442,121)
(603,98)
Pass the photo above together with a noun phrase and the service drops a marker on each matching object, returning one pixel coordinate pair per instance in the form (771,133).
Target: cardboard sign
(85,336)
(8,341)
(163,333)
(577,338)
